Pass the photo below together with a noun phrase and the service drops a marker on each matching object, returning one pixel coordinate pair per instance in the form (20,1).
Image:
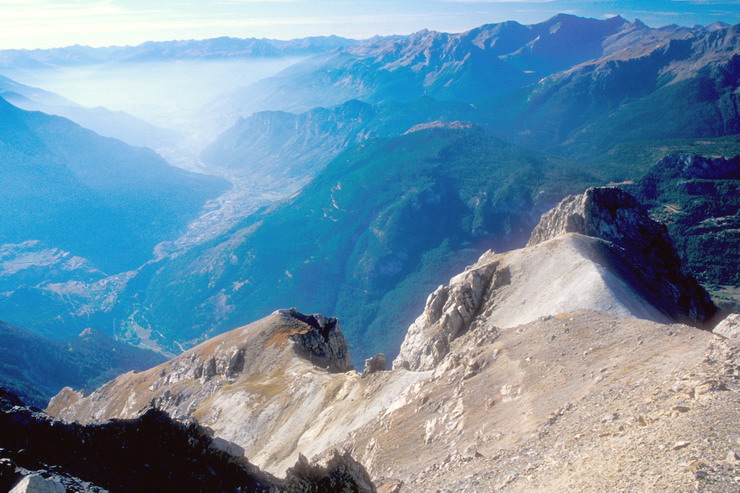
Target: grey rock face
(448,314)
(375,364)
(596,251)
(613,215)
(324,344)
(36,483)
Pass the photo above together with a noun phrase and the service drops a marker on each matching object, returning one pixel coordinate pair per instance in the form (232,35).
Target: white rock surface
(568,273)
(36,483)
(729,327)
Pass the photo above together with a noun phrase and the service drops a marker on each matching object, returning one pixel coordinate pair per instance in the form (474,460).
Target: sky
(53,23)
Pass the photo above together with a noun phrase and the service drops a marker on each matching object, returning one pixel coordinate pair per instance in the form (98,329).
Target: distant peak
(570,19)
(90,332)
(458,125)
(715,26)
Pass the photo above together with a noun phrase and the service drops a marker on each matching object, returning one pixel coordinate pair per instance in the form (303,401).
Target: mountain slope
(486,372)
(116,124)
(36,368)
(697,198)
(61,181)
(681,87)
(287,145)
(384,222)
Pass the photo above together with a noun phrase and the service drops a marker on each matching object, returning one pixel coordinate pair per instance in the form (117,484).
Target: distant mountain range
(641,84)
(214,48)
(472,66)
(116,124)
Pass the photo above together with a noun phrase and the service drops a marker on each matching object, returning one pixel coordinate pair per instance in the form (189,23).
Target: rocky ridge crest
(613,215)
(596,251)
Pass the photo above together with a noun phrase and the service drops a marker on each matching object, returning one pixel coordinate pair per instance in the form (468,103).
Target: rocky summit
(648,256)
(540,369)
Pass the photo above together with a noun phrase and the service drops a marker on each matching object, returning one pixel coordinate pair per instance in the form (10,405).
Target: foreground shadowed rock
(149,453)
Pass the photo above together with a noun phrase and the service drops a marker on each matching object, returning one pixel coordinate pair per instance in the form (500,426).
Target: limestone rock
(448,313)
(324,344)
(596,251)
(729,327)
(613,215)
(375,364)
(36,483)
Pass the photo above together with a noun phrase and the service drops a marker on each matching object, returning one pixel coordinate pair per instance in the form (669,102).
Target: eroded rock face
(613,215)
(182,384)
(324,345)
(448,313)
(596,251)
(374,365)
(729,327)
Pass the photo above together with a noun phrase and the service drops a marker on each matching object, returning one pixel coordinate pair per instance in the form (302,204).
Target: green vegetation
(698,199)
(382,225)
(37,368)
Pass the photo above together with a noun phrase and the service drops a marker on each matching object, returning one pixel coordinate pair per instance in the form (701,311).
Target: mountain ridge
(407,424)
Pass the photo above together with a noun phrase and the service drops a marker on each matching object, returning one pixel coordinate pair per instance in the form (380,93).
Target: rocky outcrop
(448,313)
(596,251)
(375,364)
(650,258)
(148,453)
(324,344)
(729,327)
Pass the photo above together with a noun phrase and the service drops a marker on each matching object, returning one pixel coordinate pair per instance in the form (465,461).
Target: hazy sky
(48,23)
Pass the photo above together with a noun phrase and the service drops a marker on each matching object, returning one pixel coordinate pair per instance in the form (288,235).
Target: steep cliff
(649,256)
(596,251)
